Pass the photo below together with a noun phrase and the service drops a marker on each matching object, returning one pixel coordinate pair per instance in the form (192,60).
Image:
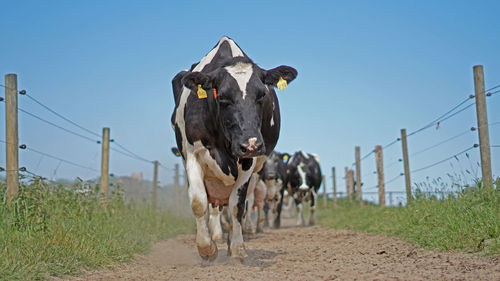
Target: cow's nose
(251,146)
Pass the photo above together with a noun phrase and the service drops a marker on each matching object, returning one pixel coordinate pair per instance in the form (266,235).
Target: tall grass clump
(467,220)
(52,230)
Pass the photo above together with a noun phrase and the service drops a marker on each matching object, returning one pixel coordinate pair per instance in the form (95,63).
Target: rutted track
(309,253)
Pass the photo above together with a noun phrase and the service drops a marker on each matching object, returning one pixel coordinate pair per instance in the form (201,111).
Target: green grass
(467,222)
(53,231)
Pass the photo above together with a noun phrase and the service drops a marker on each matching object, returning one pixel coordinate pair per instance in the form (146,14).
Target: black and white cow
(274,176)
(226,122)
(303,181)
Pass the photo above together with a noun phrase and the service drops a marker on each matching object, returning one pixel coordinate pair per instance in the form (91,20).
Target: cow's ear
(193,79)
(282,72)
(176,151)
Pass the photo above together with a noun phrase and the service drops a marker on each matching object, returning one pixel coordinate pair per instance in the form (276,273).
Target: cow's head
(236,93)
(298,177)
(273,166)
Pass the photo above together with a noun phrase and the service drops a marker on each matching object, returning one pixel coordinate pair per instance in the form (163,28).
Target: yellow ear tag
(202,94)
(281,84)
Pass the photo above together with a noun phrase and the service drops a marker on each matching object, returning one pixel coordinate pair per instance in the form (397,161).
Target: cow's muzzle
(251,148)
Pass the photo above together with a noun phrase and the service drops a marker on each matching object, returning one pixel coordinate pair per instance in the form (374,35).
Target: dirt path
(309,253)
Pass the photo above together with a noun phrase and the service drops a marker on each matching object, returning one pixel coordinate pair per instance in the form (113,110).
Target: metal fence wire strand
(444,160)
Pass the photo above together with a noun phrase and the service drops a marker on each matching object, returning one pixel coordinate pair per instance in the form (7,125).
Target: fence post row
(105,166)
(380,175)
(358,174)
(406,164)
(482,126)
(12,137)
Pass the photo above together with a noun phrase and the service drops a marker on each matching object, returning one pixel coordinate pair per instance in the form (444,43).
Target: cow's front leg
(235,210)
(199,204)
(300,215)
(249,225)
(261,219)
(314,199)
(279,206)
(214,224)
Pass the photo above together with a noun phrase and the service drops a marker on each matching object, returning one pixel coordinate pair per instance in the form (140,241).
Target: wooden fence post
(406,163)
(12,137)
(105,166)
(358,174)
(346,171)
(324,191)
(334,182)
(155,183)
(482,126)
(380,175)
(351,184)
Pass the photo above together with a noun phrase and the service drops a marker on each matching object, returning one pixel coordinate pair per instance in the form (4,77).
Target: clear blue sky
(366,70)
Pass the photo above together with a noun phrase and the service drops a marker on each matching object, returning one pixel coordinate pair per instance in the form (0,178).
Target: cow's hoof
(249,230)
(208,253)
(277,224)
(260,228)
(312,221)
(238,252)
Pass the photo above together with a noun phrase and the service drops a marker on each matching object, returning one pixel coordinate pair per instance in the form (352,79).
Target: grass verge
(468,221)
(53,231)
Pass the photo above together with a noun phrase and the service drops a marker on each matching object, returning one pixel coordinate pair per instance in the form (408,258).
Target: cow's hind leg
(199,204)
(235,210)
(314,200)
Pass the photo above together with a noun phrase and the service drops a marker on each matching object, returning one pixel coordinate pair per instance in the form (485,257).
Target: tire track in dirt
(304,253)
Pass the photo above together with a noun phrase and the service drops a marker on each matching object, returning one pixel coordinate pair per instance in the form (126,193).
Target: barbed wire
(394,178)
(62,160)
(60,115)
(23,92)
(57,126)
(443,117)
(444,160)
(391,143)
(121,148)
(25,147)
(394,163)
(131,154)
(441,142)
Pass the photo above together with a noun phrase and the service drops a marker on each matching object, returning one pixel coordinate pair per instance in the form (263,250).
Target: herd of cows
(227,123)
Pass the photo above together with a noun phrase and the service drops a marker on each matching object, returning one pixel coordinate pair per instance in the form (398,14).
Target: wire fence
(72,128)
(394,169)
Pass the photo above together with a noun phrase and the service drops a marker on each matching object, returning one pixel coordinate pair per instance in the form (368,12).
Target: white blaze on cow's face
(241,72)
(303,186)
